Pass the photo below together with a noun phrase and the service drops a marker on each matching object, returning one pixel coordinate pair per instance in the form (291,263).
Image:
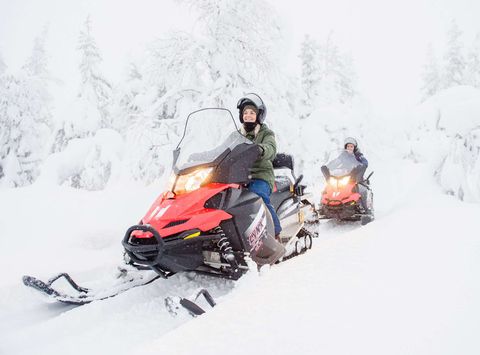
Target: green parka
(263,167)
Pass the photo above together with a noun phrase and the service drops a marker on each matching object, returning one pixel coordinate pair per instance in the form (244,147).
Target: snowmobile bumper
(144,246)
(146,253)
(341,211)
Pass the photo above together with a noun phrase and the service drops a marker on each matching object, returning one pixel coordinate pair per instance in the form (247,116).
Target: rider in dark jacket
(350,144)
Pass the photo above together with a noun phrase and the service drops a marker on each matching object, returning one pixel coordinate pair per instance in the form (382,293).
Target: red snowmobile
(207,221)
(347,195)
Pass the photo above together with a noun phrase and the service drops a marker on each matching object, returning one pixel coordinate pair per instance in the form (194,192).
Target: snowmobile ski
(173,304)
(83,295)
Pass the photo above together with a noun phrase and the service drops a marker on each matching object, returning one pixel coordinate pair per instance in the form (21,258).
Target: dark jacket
(263,167)
(360,157)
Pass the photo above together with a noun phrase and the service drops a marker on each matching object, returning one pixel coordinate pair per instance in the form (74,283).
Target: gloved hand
(260,150)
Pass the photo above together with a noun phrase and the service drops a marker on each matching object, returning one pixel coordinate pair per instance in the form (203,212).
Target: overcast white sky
(387,38)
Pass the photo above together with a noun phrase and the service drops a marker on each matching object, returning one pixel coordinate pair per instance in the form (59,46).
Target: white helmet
(350,140)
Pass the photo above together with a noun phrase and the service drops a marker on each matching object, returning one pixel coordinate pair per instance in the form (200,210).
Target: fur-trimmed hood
(255,131)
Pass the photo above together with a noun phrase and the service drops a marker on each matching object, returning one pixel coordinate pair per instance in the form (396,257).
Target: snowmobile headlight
(332,181)
(192,181)
(338,182)
(344,181)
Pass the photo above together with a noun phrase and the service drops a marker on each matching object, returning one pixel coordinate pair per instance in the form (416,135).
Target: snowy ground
(405,284)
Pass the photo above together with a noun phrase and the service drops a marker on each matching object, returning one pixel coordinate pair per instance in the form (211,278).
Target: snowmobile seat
(282,183)
(283,160)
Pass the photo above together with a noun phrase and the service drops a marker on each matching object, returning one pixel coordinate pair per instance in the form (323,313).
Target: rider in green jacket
(252,112)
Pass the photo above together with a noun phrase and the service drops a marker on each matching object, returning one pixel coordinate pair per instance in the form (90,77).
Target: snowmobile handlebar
(368,177)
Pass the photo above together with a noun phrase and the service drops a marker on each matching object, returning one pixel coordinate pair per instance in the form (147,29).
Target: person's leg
(364,193)
(262,189)
(360,172)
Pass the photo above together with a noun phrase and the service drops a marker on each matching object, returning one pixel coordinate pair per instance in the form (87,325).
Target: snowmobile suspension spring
(227,251)
(224,245)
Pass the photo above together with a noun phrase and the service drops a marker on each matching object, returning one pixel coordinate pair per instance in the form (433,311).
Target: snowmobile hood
(187,211)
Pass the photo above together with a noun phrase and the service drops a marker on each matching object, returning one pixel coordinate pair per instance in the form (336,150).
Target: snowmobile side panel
(289,207)
(277,198)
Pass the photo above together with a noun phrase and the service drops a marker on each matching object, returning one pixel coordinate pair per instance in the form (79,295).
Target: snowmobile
(207,221)
(342,196)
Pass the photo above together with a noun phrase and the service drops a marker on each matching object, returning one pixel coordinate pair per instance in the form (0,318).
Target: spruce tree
(311,74)
(3,66)
(431,75)
(328,75)
(25,118)
(91,106)
(94,88)
(473,64)
(454,73)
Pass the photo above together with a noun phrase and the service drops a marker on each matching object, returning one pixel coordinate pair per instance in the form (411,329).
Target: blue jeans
(262,189)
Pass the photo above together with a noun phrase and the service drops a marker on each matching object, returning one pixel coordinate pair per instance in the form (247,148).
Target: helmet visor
(250,99)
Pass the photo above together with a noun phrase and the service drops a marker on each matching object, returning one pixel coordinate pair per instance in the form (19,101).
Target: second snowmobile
(347,196)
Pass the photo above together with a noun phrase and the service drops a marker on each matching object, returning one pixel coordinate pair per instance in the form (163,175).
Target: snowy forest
(87,148)
(126,129)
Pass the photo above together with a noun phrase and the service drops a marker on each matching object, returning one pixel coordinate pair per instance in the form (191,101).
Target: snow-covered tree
(3,114)
(454,67)
(346,78)
(328,75)
(25,129)
(233,49)
(146,134)
(94,88)
(25,118)
(311,74)
(221,59)
(459,174)
(36,64)
(3,66)
(89,128)
(90,109)
(473,63)
(431,75)
(125,108)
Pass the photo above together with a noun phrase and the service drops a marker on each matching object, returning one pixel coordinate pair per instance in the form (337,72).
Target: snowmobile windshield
(343,164)
(208,133)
